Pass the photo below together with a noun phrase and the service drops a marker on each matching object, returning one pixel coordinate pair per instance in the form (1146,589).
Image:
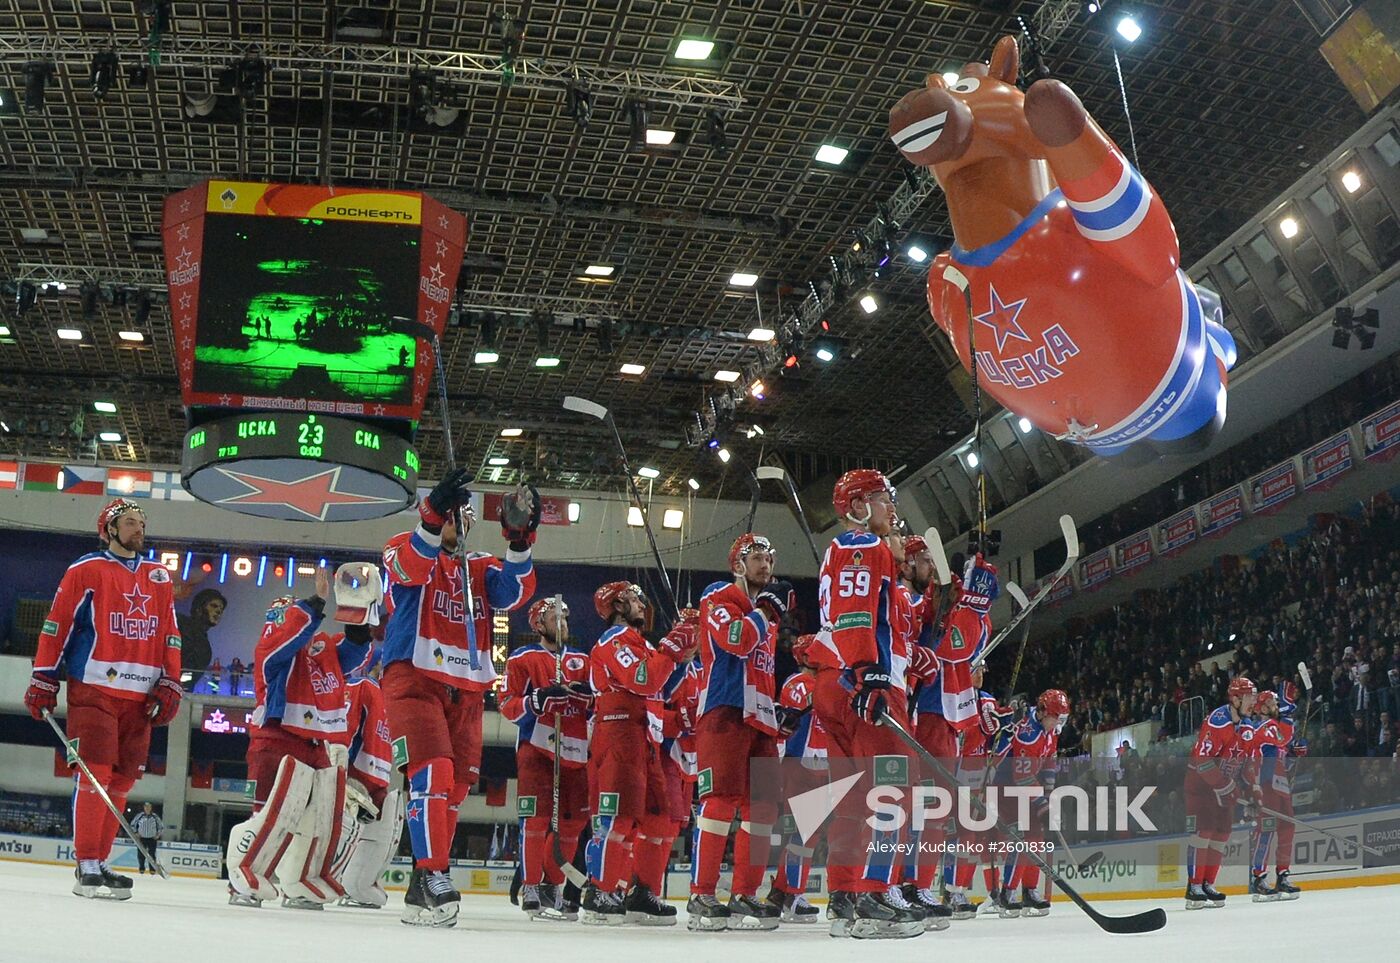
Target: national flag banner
(83,480)
(1327,461)
(38,476)
(1380,434)
(1133,552)
(1271,488)
(1095,569)
(553,511)
(165,485)
(129,483)
(1222,512)
(9,474)
(1177,532)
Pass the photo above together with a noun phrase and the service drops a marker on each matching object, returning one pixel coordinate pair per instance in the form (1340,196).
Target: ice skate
(101,883)
(601,909)
(961,907)
(645,908)
(749,913)
(707,914)
(1259,889)
(1214,898)
(936,915)
(793,907)
(885,916)
(300,903)
(431,900)
(1195,897)
(1032,903)
(1286,890)
(1008,904)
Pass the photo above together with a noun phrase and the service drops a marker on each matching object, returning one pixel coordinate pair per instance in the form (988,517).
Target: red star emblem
(414,811)
(1002,319)
(136,601)
(312,496)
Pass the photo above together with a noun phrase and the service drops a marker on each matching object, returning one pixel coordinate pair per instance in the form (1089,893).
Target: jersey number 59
(854,583)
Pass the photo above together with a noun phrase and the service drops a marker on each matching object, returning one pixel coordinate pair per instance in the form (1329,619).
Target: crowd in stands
(1330,599)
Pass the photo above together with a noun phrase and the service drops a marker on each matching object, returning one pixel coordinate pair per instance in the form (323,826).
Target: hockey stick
(595,410)
(71,749)
(1323,832)
(1308,687)
(1071,556)
(944,575)
(1015,592)
(420,330)
(766,472)
(1085,865)
(1145,922)
(569,870)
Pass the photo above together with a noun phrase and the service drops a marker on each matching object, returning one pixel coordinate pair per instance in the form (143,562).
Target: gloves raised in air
(775,599)
(446,497)
(520,516)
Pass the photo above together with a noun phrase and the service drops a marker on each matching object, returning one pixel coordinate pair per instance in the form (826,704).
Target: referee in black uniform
(148,826)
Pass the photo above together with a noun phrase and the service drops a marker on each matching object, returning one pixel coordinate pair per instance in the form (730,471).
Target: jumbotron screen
(299,297)
(301,308)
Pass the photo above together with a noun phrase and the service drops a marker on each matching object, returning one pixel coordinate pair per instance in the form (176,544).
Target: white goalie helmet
(359,593)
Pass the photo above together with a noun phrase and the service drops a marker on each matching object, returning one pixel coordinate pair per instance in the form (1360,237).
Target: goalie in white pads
(296,762)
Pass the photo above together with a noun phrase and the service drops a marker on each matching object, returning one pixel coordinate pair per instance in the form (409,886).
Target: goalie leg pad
(374,847)
(304,871)
(256,845)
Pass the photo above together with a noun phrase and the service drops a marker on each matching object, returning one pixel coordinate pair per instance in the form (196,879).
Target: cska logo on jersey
(448,604)
(138,629)
(323,683)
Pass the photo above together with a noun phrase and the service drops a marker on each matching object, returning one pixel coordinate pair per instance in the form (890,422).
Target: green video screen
(302,308)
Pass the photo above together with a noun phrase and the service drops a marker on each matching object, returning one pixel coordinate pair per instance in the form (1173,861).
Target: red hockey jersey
(808,740)
(368,729)
(427,624)
(625,671)
(532,667)
(856,590)
(112,626)
(1222,745)
(299,674)
(670,720)
(737,645)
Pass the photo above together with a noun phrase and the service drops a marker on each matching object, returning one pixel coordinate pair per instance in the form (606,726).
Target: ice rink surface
(190,919)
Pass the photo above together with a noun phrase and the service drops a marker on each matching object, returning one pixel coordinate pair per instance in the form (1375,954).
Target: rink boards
(1128,870)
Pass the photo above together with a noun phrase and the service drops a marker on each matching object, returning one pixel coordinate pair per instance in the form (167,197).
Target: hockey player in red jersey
(1276,747)
(298,752)
(804,743)
(111,633)
(1031,761)
(437,668)
(975,750)
(671,725)
(369,775)
(739,623)
(1213,785)
(547,696)
(857,683)
(626,782)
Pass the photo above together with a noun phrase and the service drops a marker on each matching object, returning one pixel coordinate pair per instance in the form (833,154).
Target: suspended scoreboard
(297,312)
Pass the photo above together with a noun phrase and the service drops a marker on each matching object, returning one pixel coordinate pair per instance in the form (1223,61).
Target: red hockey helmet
(1241,686)
(542,614)
(858,483)
(914,545)
(745,545)
(114,510)
(688,617)
(1266,702)
(604,598)
(1052,702)
(802,649)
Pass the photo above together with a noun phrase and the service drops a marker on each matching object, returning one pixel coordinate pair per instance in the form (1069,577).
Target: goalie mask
(359,593)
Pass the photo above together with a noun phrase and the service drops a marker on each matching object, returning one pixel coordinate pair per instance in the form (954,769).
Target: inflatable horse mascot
(1082,320)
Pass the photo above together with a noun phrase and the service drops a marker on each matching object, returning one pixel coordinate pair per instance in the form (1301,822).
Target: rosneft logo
(307,717)
(437,655)
(340,210)
(111,675)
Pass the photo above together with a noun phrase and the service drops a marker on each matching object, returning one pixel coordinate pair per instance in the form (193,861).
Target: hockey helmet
(745,545)
(1241,686)
(604,598)
(1052,702)
(114,510)
(542,613)
(858,483)
(1266,702)
(802,649)
(914,545)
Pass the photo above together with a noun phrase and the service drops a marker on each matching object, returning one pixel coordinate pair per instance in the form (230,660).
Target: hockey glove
(923,664)
(42,694)
(550,700)
(871,685)
(164,701)
(775,599)
(1299,748)
(357,797)
(446,497)
(788,719)
(1225,795)
(678,644)
(520,516)
(979,585)
(581,694)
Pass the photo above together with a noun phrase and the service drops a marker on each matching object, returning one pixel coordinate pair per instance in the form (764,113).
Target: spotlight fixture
(758,389)
(726,375)
(868,304)
(831,154)
(111,437)
(37,74)
(1351,181)
(714,132)
(1025,425)
(1129,29)
(648,472)
(916,254)
(512,432)
(578,101)
(633,369)
(740,279)
(143,306)
(972,459)
(724,455)
(87,296)
(694,485)
(1288,227)
(1346,323)
(694,48)
(103,73)
(26,296)
(636,111)
(252,72)
(485,357)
